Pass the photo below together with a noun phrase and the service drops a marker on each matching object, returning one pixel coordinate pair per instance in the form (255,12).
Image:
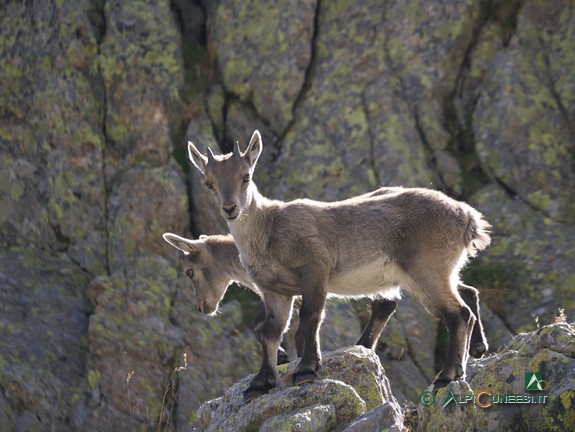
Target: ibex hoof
(303,377)
(477,350)
(459,372)
(282,356)
(253,393)
(439,384)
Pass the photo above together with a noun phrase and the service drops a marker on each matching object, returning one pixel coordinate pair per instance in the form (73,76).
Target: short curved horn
(237,151)
(210,155)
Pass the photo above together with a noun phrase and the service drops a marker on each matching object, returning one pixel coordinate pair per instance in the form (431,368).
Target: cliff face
(98,98)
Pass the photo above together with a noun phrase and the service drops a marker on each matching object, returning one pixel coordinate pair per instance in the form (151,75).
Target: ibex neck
(238,273)
(253,220)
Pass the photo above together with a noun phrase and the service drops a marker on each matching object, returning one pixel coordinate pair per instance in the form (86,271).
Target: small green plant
(561,318)
(163,424)
(171,386)
(128,378)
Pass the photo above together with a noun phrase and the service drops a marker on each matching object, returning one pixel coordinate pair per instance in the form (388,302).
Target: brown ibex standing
(411,238)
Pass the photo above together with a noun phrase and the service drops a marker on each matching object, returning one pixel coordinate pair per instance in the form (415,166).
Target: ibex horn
(210,155)
(237,151)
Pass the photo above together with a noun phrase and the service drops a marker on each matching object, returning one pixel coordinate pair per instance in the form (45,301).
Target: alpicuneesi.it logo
(484,398)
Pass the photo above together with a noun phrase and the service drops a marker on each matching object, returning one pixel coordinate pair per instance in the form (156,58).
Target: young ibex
(212,263)
(415,239)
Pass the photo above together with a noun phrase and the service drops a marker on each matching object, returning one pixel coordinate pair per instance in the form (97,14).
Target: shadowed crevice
(306,85)
(372,141)
(98,19)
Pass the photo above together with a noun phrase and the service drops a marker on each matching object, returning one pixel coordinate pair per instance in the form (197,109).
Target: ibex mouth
(231,218)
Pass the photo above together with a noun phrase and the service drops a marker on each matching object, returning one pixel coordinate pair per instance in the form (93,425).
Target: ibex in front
(410,238)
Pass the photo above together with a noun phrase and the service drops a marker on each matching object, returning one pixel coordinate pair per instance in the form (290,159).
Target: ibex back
(415,239)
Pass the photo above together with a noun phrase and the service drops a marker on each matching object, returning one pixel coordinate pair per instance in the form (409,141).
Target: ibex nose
(229,210)
(200,305)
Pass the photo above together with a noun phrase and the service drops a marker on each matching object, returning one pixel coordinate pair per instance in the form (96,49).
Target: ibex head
(229,177)
(198,263)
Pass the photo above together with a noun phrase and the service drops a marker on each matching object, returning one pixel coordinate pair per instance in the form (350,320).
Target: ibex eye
(190,273)
(247,178)
(209,185)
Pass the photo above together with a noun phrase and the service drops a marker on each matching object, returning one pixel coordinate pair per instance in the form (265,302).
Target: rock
(136,199)
(132,343)
(548,351)
(532,155)
(367,66)
(340,327)
(52,192)
(384,417)
(343,398)
(43,352)
(282,48)
(88,187)
(315,418)
(348,394)
(527,274)
(142,70)
(210,371)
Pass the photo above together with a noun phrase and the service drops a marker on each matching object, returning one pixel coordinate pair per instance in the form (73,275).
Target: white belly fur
(376,277)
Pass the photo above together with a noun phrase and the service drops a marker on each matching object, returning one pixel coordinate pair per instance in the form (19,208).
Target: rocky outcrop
(353,393)
(548,351)
(351,384)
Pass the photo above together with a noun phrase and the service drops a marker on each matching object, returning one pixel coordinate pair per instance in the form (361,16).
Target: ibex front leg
(278,311)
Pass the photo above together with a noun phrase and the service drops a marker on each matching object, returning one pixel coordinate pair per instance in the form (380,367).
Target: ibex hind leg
(444,302)
(257,325)
(459,325)
(381,311)
(478,345)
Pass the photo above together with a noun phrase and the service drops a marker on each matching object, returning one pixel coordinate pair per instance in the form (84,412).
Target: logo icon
(448,398)
(534,381)
(426,398)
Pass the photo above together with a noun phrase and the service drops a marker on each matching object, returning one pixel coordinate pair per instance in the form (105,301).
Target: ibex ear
(198,159)
(254,149)
(185,245)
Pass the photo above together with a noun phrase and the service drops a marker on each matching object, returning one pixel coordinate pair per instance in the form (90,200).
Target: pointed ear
(185,245)
(198,159)
(254,149)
